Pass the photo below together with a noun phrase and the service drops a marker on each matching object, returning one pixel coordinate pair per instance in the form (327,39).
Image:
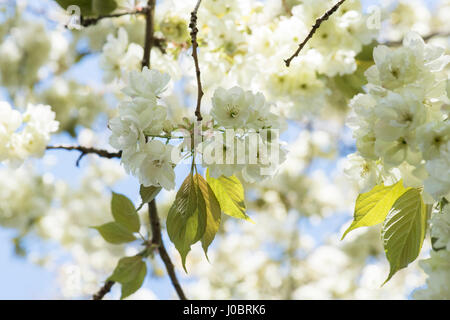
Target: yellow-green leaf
(115,233)
(213,213)
(372,207)
(124,212)
(404,230)
(186,221)
(230,194)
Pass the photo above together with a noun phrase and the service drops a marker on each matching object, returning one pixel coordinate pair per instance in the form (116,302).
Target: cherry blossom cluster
(401,124)
(139,122)
(25,135)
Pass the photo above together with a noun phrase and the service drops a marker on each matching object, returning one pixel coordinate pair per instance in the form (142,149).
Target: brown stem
(103,291)
(157,241)
(194,31)
(155,224)
(314,28)
(425,38)
(86,22)
(149,31)
(286,8)
(86,150)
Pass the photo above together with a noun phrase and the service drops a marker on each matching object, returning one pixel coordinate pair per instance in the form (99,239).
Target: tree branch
(149,31)
(155,224)
(86,150)
(160,43)
(86,22)
(194,31)
(157,241)
(314,28)
(103,291)
(425,38)
(286,8)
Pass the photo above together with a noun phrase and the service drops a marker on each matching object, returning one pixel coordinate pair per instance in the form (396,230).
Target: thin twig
(86,22)
(103,291)
(157,242)
(194,31)
(314,28)
(286,8)
(149,30)
(86,150)
(425,38)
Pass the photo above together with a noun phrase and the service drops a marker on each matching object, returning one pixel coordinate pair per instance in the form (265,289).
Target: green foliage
(230,194)
(90,7)
(186,221)
(148,194)
(124,212)
(126,221)
(196,212)
(366,53)
(372,207)
(130,272)
(405,221)
(85,5)
(213,213)
(104,6)
(351,84)
(404,230)
(115,233)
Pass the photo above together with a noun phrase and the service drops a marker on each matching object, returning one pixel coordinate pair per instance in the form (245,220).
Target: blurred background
(293,251)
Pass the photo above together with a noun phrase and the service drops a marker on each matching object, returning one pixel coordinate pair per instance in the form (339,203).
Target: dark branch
(194,31)
(314,28)
(157,242)
(86,22)
(155,224)
(149,30)
(86,150)
(103,291)
(160,43)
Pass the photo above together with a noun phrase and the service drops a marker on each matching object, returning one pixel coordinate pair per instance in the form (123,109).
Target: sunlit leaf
(404,230)
(230,194)
(213,213)
(186,221)
(372,207)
